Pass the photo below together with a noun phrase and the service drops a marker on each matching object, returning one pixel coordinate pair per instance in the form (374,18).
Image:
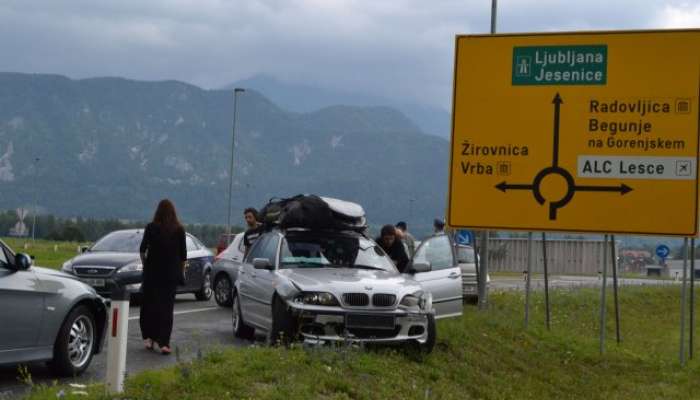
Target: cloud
(685,15)
(392,48)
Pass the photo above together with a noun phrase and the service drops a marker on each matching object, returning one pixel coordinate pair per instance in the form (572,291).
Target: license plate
(94,282)
(369,321)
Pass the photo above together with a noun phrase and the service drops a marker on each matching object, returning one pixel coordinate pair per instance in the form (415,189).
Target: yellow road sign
(583,132)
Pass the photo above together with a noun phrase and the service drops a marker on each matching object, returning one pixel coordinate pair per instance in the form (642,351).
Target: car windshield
(121,242)
(315,251)
(465,254)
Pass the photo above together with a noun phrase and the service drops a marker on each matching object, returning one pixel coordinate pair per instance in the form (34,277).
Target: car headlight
(67,267)
(316,299)
(133,267)
(418,299)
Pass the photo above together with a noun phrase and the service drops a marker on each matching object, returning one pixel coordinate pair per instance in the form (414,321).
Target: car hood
(104,259)
(41,271)
(340,280)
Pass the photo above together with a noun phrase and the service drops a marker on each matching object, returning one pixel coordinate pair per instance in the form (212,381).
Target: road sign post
(692,298)
(528,278)
(578,132)
(603,288)
(613,258)
(546,280)
(683,300)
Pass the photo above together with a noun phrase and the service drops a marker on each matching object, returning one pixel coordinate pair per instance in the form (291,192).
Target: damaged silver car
(326,286)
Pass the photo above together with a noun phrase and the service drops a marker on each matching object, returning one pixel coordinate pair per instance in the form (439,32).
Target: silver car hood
(41,271)
(344,280)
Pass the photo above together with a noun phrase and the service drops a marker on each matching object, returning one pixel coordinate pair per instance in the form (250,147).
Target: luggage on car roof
(314,212)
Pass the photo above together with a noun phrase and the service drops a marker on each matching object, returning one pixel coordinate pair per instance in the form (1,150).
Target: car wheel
(205,292)
(427,347)
(240,329)
(222,291)
(283,330)
(75,343)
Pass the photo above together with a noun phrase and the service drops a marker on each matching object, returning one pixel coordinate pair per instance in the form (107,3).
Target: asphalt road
(199,326)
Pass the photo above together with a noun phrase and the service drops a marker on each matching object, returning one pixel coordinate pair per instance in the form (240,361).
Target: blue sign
(464,237)
(662,251)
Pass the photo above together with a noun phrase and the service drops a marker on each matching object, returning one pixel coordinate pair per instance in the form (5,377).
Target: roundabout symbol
(557,171)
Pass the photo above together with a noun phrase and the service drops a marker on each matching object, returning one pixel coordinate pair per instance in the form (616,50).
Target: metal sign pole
(483,271)
(476,261)
(692,297)
(615,294)
(546,279)
(527,278)
(683,300)
(603,287)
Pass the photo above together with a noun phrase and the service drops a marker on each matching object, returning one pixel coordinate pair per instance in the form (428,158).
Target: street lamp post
(236,91)
(36,161)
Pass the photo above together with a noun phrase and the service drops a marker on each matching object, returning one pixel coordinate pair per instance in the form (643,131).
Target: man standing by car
(438,227)
(406,237)
(254,227)
(393,247)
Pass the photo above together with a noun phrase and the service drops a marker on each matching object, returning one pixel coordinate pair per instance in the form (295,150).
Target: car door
(250,300)
(444,279)
(262,282)
(21,308)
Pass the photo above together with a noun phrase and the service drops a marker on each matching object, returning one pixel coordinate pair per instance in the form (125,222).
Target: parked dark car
(114,261)
(47,315)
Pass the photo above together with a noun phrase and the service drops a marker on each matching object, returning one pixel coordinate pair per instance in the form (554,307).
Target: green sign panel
(560,65)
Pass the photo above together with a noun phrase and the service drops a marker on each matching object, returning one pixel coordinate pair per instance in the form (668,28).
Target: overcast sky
(391,48)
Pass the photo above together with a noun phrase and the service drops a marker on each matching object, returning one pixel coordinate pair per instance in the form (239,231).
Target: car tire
(429,344)
(223,291)
(75,343)
(240,329)
(283,330)
(205,292)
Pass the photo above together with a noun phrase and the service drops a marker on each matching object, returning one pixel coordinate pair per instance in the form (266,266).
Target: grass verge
(47,253)
(483,355)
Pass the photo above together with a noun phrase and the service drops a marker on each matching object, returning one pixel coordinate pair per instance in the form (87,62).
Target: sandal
(165,350)
(148,344)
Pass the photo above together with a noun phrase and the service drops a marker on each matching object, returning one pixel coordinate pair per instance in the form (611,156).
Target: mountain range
(112,147)
(305,98)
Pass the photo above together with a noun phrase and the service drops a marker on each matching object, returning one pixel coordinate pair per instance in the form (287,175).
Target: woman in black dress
(163,254)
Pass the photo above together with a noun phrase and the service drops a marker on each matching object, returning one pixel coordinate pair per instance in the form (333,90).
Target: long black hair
(166,217)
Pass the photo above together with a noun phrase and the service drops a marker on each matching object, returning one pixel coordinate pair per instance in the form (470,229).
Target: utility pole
(36,206)
(236,91)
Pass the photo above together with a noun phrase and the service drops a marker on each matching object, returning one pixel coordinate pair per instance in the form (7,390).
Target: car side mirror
(84,249)
(23,261)
(419,267)
(262,263)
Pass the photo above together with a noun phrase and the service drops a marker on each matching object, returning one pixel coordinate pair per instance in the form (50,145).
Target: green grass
(47,253)
(483,355)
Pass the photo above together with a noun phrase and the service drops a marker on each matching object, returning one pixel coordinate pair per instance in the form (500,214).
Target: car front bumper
(131,281)
(321,324)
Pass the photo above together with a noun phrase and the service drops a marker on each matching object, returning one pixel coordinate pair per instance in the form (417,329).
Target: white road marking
(182,312)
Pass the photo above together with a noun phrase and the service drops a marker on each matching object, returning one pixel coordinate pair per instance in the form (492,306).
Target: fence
(564,256)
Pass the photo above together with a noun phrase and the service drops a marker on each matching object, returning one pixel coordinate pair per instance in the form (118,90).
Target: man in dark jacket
(254,227)
(393,247)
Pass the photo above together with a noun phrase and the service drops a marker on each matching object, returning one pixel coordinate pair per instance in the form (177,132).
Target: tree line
(80,229)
